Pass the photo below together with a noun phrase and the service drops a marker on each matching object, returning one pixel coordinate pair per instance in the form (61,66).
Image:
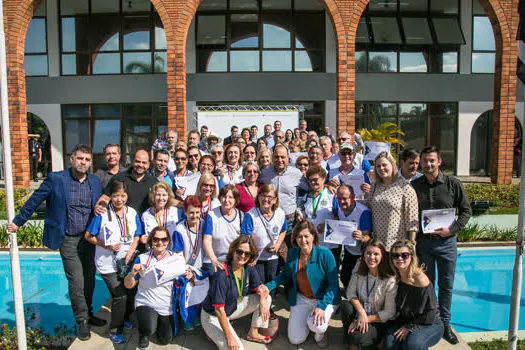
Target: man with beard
(70,196)
(113,166)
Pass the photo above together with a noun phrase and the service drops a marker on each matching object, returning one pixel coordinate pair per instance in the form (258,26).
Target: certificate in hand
(354,181)
(111,237)
(188,184)
(170,268)
(433,219)
(195,294)
(340,232)
(372,149)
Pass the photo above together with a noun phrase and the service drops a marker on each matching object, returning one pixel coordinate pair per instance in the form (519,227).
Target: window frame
(44,53)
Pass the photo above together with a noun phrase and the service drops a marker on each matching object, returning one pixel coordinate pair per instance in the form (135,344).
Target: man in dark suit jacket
(70,197)
(231,139)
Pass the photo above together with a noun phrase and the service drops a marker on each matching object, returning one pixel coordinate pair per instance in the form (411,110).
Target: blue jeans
(420,339)
(443,254)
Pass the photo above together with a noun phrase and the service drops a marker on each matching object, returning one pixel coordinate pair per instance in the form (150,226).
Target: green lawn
(495,345)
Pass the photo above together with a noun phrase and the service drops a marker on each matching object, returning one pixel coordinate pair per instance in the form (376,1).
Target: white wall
(50,114)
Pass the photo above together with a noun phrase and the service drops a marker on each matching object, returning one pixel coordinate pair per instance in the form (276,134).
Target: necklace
(193,245)
(123,224)
(239,283)
(162,221)
(315,204)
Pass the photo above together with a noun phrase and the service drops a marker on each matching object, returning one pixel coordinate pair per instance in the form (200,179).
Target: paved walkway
(198,340)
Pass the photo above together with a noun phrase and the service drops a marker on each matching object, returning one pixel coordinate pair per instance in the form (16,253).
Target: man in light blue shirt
(409,162)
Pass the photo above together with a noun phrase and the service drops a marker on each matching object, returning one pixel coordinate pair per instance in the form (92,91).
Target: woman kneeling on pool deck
(123,222)
(314,295)
(371,299)
(418,325)
(232,295)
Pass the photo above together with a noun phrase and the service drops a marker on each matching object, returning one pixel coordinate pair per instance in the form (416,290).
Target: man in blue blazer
(70,197)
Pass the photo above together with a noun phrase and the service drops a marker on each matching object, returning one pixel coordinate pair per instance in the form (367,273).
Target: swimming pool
(44,290)
(481,296)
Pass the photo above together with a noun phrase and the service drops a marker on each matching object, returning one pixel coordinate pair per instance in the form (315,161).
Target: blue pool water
(481,297)
(44,290)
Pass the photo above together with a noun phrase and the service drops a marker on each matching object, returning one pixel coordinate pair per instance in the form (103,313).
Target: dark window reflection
(382,61)
(159,62)
(211,30)
(413,122)
(448,31)
(417,31)
(76,132)
(136,33)
(105,6)
(105,131)
(385,30)
(244,31)
(137,62)
(360,61)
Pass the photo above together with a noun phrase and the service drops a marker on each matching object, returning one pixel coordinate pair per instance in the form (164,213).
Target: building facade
(120,71)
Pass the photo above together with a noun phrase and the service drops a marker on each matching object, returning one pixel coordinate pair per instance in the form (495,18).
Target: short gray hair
(325,138)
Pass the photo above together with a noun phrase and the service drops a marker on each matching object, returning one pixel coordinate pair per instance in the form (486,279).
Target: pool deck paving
(197,339)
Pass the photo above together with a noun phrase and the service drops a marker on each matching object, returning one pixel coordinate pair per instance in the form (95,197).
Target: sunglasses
(194,155)
(161,239)
(343,139)
(345,153)
(241,252)
(302,164)
(208,185)
(403,256)
(252,172)
(177,159)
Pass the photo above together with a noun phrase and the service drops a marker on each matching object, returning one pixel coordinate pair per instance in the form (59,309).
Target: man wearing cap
(346,156)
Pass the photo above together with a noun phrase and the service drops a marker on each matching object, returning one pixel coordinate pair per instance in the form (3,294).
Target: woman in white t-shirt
(207,190)
(266,224)
(231,172)
(162,212)
(187,237)
(221,227)
(116,236)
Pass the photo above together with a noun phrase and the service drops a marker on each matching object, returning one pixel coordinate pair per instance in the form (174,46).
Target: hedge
(498,195)
(20,194)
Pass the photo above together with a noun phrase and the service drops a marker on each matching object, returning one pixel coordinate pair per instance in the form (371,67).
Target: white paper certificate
(111,237)
(188,184)
(354,181)
(372,149)
(195,294)
(294,156)
(340,232)
(170,268)
(433,219)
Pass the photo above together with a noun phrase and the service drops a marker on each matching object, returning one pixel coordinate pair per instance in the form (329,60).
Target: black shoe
(97,322)
(83,332)
(449,335)
(143,342)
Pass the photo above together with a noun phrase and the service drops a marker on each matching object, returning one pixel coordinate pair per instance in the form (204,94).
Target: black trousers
(349,262)
(121,308)
(150,321)
(33,163)
(368,340)
(78,258)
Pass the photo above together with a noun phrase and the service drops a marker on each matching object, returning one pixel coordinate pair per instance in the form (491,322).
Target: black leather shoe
(83,332)
(143,342)
(449,335)
(97,322)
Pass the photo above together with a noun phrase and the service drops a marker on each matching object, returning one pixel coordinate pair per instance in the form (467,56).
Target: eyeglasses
(302,164)
(207,165)
(252,172)
(279,137)
(241,142)
(208,185)
(314,179)
(268,197)
(241,252)
(343,139)
(194,155)
(179,159)
(160,239)
(403,256)
(217,152)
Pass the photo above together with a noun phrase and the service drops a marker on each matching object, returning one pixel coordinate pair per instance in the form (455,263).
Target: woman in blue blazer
(314,295)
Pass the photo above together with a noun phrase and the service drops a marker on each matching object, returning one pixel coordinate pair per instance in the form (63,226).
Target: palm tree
(144,68)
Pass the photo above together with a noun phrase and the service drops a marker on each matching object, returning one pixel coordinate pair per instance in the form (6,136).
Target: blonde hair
(265,189)
(260,154)
(165,187)
(204,178)
(413,268)
(392,161)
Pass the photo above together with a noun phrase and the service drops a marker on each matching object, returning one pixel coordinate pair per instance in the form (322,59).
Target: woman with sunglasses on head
(232,296)
(162,211)
(249,188)
(231,172)
(250,153)
(207,190)
(194,156)
(314,295)
(393,203)
(221,227)
(371,299)
(123,222)
(264,159)
(153,302)
(417,325)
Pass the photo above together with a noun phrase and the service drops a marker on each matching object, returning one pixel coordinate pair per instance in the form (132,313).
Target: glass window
(137,110)
(35,65)
(276,37)
(106,63)
(136,33)
(244,31)
(213,61)
(160,35)
(483,62)
(159,62)
(212,5)
(277,61)
(477,9)
(385,30)
(72,8)
(448,7)
(413,122)
(211,30)
(105,6)
(412,62)
(417,31)
(413,6)
(105,110)
(449,62)
(310,29)
(382,6)
(308,5)
(136,5)
(76,132)
(104,132)
(303,62)
(137,63)
(483,35)
(448,31)
(40,10)
(68,34)
(276,4)
(362,36)
(360,61)
(137,134)
(382,62)
(443,123)
(36,36)
(69,64)
(244,5)
(75,111)
(244,61)
(379,113)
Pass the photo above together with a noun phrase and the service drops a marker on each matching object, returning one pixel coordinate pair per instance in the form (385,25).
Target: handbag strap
(265,228)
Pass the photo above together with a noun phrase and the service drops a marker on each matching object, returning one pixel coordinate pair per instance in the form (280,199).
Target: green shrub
(498,195)
(28,236)
(20,194)
(498,344)
(476,232)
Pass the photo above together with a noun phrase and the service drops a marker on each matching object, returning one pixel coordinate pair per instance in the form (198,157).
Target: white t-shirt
(169,221)
(104,258)
(331,163)
(324,202)
(189,243)
(214,203)
(232,176)
(258,227)
(157,297)
(360,215)
(223,232)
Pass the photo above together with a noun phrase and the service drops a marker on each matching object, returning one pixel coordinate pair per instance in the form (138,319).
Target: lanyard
(204,212)
(239,284)
(151,254)
(122,222)
(315,204)
(164,220)
(185,173)
(233,173)
(193,247)
(369,291)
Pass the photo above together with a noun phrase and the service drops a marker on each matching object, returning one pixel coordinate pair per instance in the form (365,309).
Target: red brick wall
(177,15)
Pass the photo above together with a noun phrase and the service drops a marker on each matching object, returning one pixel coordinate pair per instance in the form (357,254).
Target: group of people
(256,222)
